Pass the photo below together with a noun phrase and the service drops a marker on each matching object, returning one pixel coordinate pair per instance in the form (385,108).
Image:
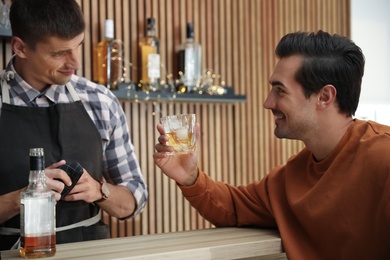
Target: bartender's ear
(18,46)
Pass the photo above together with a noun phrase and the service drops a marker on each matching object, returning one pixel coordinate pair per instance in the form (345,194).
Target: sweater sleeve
(225,205)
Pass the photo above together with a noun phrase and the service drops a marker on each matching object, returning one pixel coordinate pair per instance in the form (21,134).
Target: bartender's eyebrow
(66,50)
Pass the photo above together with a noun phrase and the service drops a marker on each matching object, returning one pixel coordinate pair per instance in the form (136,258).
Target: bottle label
(154,66)
(37,216)
(190,63)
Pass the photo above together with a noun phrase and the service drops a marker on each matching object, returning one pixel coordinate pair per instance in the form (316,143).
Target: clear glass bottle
(107,67)
(37,212)
(150,59)
(190,60)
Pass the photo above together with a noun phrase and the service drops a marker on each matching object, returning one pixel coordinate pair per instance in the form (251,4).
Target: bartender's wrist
(104,191)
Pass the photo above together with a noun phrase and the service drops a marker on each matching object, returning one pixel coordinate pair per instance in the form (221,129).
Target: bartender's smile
(67,73)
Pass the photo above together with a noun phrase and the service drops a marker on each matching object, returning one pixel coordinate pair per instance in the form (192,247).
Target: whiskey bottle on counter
(190,61)
(37,212)
(107,65)
(150,59)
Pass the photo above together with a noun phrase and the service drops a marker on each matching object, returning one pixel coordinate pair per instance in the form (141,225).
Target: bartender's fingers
(54,173)
(86,189)
(56,186)
(56,178)
(57,164)
(57,196)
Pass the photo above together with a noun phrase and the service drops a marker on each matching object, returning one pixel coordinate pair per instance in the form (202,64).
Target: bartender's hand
(86,189)
(52,172)
(182,168)
(120,203)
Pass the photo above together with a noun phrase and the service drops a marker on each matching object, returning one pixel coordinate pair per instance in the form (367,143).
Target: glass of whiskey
(181,132)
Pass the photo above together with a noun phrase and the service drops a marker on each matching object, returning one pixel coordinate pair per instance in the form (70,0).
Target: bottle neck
(190,32)
(150,28)
(37,179)
(190,40)
(108,39)
(151,32)
(37,176)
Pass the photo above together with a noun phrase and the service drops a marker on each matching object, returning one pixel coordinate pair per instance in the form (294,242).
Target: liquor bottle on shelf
(37,212)
(190,61)
(108,68)
(150,59)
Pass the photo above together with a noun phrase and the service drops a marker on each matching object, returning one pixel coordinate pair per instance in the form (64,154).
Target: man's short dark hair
(35,20)
(327,59)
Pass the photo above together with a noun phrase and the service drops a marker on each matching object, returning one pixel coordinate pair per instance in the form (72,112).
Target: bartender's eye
(58,54)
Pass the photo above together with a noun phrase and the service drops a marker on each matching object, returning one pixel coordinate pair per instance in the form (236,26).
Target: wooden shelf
(5,33)
(126,93)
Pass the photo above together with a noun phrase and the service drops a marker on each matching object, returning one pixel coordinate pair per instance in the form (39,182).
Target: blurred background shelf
(5,33)
(126,93)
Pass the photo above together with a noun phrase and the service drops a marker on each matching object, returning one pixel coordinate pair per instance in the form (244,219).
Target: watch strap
(104,197)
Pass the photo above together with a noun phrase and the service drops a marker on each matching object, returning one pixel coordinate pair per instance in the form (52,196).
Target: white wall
(370,21)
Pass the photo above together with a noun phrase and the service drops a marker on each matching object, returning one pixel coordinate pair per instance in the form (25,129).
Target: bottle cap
(109,29)
(36,159)
(151,21)
(150,24)
(36,152)
(190,31)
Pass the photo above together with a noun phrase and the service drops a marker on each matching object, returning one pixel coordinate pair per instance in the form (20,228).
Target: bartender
(44,104)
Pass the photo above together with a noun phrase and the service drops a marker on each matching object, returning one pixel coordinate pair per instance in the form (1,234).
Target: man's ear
(18,46)
(327,96)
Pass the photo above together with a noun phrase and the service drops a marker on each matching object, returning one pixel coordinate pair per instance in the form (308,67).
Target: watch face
(105,190)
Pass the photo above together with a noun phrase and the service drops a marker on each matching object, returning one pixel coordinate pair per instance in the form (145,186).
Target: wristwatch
(105,190)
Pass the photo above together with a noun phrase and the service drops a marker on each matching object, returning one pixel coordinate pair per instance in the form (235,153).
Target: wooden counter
(220,243)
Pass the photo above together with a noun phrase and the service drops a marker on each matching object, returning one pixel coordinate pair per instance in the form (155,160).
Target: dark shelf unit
(125,93)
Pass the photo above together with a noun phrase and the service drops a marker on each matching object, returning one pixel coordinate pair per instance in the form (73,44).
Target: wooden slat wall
(238,39)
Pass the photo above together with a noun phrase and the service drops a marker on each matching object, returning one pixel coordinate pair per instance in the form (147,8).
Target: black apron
(65,131)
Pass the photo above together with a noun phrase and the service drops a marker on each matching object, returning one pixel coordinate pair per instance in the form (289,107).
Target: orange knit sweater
(338,208)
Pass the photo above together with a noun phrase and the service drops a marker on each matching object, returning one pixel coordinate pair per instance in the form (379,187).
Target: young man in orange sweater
(332,199)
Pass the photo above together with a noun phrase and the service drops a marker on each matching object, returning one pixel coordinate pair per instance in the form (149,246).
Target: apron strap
(72,91)
(84,223)
(6,76)
(9,231)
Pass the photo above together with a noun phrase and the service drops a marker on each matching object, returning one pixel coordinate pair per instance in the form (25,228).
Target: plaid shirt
(120,164)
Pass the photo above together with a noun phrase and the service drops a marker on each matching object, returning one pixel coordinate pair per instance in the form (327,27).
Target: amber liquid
(149,45)
(35,247)
(100,64)
(181,143)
